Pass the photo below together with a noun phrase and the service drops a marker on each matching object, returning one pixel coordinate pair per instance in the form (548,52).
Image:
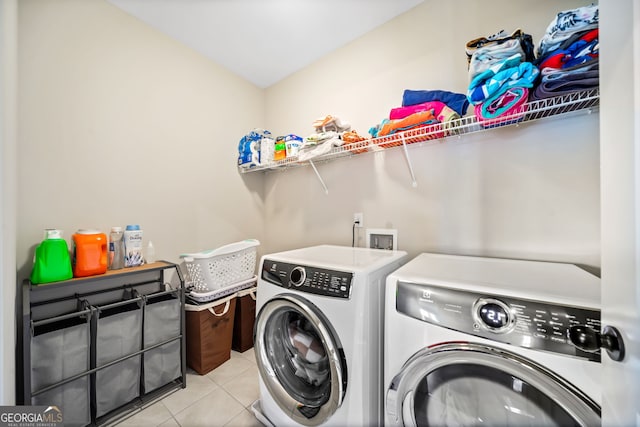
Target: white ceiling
(264,41)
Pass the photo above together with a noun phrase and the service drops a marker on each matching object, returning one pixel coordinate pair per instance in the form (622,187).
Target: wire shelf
(584,101)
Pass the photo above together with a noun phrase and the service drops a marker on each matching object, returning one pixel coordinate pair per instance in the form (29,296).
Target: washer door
(470,384)
(300,359)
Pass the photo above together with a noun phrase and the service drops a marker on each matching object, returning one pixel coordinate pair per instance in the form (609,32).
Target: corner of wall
(8,124)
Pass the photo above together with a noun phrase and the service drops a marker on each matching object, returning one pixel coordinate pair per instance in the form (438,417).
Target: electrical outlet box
(382,238)
(358,219)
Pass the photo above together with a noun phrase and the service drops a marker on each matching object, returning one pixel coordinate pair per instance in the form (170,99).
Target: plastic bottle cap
(133,227)
(116,229)
(52,233)
(88,231)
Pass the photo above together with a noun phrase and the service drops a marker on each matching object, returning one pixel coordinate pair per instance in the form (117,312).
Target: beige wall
(527,192)
(8,113)
(119,124)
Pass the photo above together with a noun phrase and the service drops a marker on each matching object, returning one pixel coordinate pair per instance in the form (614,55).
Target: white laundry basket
(224,266)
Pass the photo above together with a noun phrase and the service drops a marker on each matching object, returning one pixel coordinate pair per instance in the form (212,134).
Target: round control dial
(493,315)
(298,276)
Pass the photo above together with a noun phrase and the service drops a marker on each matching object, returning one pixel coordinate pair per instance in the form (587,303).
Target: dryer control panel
(319,281)
(525,323)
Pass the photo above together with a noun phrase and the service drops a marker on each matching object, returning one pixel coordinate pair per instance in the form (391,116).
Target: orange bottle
(89,253)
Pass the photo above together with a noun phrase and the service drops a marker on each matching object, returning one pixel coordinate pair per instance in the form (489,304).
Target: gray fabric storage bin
(161,365)
(71,398)
(161,322)
(59,351)
(118,334)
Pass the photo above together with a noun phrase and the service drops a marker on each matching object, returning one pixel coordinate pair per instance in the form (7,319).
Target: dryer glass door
(300,359)
(473,384)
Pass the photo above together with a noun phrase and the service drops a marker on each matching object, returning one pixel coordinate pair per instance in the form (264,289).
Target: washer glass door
(300,359)
(473,384)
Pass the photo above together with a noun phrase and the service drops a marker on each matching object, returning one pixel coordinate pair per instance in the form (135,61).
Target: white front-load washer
(318,335)
(484,341)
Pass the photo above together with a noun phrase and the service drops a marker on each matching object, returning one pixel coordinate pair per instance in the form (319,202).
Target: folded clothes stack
(329,132)
(483,52)
(430,109)
(456,101)
(501,73)
(565,26)
(568,53)
(415,120)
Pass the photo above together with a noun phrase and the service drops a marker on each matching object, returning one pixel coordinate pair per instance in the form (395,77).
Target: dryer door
(475,384)
(300,359)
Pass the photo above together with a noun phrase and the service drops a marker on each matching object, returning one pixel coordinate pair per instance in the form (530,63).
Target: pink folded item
(508,108)
(439,109)
(421,118)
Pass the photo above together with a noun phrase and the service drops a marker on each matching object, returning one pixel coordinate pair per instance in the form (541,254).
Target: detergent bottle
(89,253)
(51,262)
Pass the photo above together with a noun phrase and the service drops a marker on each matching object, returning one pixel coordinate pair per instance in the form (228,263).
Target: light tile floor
(223,397)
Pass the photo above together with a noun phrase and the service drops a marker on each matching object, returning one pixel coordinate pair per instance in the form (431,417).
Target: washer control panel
(313,280)
(525,323)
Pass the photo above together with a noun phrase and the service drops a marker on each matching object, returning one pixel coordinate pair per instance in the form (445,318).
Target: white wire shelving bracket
(315,169)
(585,101)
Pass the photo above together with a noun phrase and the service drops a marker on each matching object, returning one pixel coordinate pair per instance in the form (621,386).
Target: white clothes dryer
(484,341)
(318,335)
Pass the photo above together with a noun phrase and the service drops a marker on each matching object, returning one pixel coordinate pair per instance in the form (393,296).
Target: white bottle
(133,255)
(116,248)
(151,253)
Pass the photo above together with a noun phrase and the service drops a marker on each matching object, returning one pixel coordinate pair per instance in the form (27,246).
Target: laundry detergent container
(51,262)
(89,253)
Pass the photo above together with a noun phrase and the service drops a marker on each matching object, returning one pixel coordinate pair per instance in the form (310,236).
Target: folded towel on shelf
(388,127)
(575,71)
(572,39)
(508,108)
(560,86)
(331,123)
(439,109)
(565,25)
(495,40)
(557,82)
(491,84)
(485,58)
(317,138)
(456,101)
(309,152)
(582,50)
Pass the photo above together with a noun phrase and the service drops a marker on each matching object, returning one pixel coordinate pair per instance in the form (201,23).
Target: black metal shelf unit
(101,347)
